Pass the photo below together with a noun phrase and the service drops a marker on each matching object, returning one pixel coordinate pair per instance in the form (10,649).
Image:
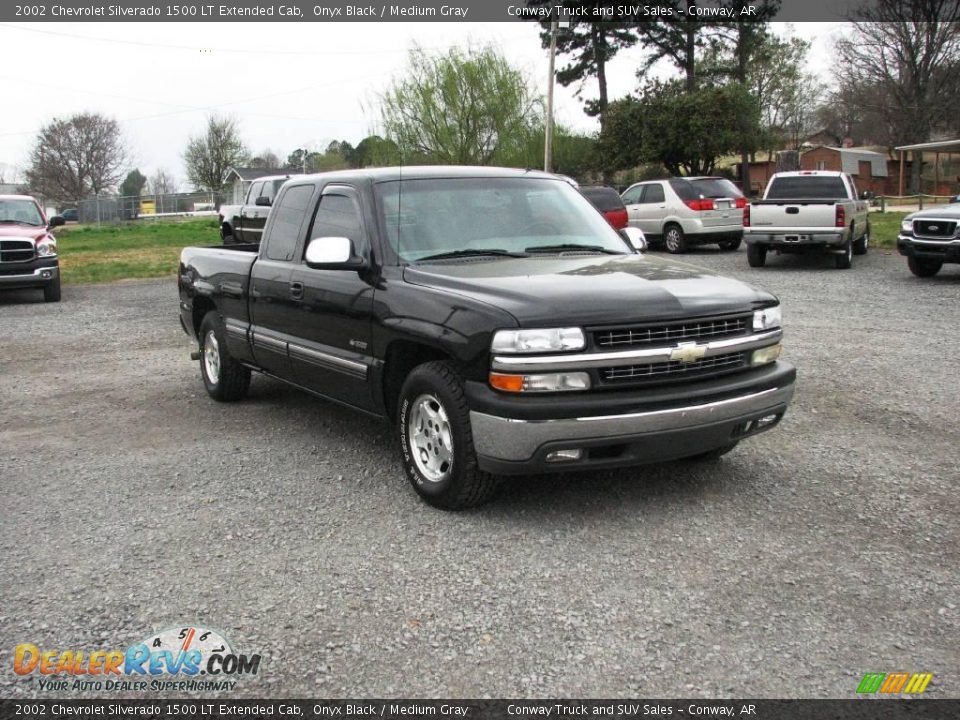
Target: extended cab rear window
(807,187)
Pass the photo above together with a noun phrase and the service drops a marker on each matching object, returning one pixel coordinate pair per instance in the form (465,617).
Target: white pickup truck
(808,211)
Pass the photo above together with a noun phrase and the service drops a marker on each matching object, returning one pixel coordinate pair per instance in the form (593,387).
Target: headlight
(766,355)
(46,248)
(548,382)
(767,318)
(906,226)
(538,341)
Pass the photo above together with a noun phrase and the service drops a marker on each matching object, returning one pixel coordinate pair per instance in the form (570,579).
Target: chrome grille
(16,250)
(709,329)
(661,371)
(934,228)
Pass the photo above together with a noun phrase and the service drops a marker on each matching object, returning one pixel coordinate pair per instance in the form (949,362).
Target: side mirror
(263,201)
(333,253)
(56,221)
(635,237)
(866,195)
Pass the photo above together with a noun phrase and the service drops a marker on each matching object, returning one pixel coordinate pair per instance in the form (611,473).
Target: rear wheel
(730,244)
(863,243)
(224,378)
(436,442)
(51,291)
(924,268)
(674,239)
(756,255)
(845,259)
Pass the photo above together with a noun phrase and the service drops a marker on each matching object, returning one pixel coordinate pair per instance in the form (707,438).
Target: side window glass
(286,220)
(338,216)
(270,189)
(632,196)
(255,189)
(654,194)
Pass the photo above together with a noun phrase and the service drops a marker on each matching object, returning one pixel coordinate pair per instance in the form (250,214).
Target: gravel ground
(812,554)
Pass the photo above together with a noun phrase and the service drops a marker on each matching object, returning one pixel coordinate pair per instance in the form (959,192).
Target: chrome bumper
(801,237)
(518,441)
(35,278)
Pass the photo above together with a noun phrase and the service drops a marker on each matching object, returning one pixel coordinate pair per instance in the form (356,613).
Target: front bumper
(34,274)
(695,421)
(946,251)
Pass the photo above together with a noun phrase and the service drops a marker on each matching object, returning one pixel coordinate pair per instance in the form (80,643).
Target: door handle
(296,290)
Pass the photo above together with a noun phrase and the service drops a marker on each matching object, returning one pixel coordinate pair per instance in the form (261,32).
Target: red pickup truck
(28,250)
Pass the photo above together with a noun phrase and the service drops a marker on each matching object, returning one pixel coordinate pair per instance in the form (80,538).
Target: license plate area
(792,238)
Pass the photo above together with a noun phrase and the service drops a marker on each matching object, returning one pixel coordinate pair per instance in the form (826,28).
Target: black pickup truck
(495,318)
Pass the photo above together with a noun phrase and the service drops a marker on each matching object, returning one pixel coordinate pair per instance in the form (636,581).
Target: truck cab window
(287,217)
(338,216)
(255,190)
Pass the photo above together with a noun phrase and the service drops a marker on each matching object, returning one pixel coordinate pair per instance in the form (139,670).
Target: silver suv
(680,212)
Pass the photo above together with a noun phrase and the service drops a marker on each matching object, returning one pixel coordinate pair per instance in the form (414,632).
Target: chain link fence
(113,208)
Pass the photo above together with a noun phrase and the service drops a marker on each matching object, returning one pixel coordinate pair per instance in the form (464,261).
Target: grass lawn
(141,249)
(884,228)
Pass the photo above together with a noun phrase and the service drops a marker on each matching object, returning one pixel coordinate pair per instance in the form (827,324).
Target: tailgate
(771,215)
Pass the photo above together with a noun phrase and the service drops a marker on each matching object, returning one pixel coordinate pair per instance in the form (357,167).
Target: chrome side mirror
(332,253)
(636,238)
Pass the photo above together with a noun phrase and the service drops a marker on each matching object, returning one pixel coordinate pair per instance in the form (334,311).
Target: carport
(943,146)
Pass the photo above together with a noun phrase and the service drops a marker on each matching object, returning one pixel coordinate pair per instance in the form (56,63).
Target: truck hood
(951,212)
(591,289)
(23,232)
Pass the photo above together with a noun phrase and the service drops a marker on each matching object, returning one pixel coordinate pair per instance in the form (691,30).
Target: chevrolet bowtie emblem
(688,352)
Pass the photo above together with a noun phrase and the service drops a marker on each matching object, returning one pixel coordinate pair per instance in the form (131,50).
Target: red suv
(28,250)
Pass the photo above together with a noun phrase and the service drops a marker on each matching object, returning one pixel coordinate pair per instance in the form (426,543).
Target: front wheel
(436,442)
(924,268)
(224,378)
(674,239)
(51,291)
(756,255)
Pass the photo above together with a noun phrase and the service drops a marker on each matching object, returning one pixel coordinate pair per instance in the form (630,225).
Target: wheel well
(201,306)
(402,357)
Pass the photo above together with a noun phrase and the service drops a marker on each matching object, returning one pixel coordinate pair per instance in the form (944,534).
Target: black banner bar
(873,708)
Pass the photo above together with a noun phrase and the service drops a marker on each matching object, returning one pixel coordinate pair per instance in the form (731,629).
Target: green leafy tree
(133,184)
(209,156)
(375,151)
(468,107)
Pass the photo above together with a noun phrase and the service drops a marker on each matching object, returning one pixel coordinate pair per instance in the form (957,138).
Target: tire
(756,255)
(433,417)
(924,268)
(51,291)
(862,244)
(730,244)
(845,260)
(225,379)
(674,240)
(713,455)
(226,234)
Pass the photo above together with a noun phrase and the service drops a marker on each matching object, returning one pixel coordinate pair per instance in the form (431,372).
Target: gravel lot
(809,556)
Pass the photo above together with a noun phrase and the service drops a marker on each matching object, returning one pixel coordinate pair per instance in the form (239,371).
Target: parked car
(70,215)
(28,249)
(244,223)
(808,211)
(608,202)
(681,212)
(495,318)
(930,238)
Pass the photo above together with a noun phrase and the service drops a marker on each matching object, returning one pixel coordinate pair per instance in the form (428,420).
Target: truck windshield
(807,187)
(425,218)
(20,212)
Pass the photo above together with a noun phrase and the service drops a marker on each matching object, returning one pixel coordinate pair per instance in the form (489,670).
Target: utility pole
(548,122)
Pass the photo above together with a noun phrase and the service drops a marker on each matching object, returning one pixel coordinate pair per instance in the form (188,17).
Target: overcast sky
(289,84)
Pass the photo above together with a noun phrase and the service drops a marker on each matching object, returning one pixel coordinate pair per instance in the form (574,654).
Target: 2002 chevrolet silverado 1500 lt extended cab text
(808,210)
(495,317)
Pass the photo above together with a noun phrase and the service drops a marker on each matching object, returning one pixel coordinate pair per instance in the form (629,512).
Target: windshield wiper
(572,246)
(20,222)
(472,253)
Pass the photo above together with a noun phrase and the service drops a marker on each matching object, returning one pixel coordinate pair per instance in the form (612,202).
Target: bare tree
(903,61)
(74,157)
(209,156)
(266,160)
(162,182)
